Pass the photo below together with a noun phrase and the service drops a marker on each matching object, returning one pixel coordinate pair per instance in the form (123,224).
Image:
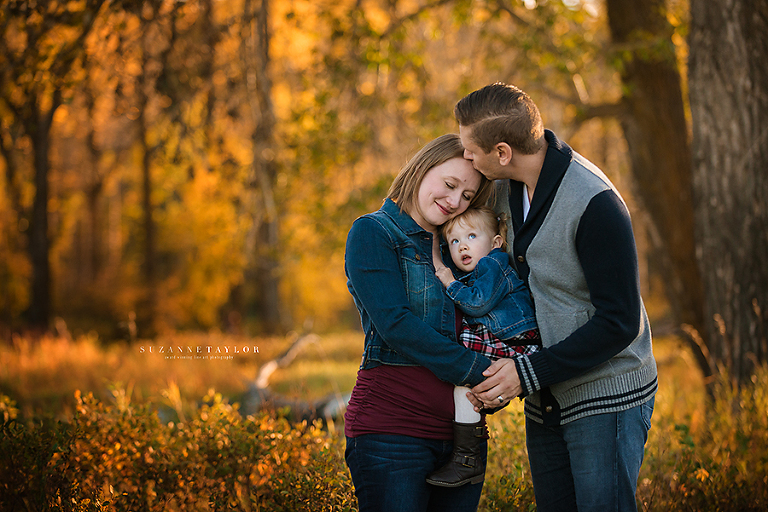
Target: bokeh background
(179,177)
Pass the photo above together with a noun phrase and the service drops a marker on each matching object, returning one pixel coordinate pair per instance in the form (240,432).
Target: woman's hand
(501,385)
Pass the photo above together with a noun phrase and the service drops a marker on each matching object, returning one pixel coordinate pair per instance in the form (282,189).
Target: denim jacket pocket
(419,277)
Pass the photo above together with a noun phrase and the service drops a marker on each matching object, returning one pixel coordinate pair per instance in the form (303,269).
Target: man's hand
(445,275)
(501,385)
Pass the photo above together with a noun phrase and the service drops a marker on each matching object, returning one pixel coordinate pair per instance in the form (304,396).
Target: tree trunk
(657,137)
(263,238)
(146,314)
(207,71)
(91,261)
(729,108)
(31,84)
(39,312)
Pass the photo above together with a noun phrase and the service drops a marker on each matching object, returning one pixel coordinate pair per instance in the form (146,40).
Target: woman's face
(445,192)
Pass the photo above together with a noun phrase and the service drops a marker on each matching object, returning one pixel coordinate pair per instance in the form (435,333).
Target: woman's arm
(375,279)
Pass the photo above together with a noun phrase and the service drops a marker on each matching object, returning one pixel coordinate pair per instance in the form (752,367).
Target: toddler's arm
(487,290)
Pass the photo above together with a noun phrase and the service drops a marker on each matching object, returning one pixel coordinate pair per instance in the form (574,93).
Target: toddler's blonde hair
(481,217)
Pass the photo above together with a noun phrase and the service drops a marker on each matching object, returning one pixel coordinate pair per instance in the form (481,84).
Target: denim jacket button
(418,257)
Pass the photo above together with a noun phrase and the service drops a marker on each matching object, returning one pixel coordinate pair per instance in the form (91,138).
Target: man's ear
(504,152)
(498,241)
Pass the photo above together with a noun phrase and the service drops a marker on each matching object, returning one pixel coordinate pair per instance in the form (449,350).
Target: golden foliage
(116,453)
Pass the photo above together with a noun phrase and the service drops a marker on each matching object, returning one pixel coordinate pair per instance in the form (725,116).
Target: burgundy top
(404,400)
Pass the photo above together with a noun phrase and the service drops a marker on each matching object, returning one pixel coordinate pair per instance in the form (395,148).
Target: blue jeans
(590,464)
(389,473)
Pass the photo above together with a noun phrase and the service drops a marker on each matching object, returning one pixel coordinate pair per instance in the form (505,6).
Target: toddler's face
(468,244)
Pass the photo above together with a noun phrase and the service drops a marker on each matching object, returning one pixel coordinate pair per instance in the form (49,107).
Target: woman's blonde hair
(405,187)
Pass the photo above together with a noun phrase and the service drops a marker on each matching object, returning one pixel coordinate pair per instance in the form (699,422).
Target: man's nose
(468,154)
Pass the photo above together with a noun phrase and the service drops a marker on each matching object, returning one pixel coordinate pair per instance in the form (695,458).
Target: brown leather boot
(467,464)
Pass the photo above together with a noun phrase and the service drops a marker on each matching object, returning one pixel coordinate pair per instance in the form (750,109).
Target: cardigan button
(548,408)
(520,259)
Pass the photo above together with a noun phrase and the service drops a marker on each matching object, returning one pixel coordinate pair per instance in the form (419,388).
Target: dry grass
(42,376)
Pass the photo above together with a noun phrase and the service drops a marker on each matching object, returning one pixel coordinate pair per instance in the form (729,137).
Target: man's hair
(481,217)
(405,188)
(502,113)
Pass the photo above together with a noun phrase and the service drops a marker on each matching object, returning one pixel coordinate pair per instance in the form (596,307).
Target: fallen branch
(259,397)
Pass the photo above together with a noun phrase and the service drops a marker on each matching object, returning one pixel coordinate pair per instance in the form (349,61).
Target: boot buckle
(465,461)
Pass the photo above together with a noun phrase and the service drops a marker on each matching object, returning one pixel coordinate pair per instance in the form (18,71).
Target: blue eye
(471,236)
(454,241)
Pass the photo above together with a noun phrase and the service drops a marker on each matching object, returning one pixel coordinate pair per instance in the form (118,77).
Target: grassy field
(42,376)
(699,456)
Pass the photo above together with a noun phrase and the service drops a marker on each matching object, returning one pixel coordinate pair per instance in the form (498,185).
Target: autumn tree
(41,46)
(729,108)
(263,240)
(150,130)
(653,119)
(190,186)
(362,97)
(215,153)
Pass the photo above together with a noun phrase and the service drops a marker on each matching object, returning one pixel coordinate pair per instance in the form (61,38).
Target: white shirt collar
(526,202)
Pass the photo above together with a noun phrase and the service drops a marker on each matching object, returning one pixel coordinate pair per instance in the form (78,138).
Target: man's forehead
(465,133)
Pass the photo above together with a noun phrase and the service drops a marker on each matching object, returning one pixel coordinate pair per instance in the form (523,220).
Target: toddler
(497,320)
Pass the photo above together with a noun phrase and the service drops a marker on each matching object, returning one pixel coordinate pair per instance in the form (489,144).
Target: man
(589,393)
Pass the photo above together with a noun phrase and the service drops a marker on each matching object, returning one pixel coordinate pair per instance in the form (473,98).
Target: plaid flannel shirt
(479,339)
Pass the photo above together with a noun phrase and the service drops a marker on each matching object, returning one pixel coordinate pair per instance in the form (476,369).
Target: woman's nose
(454,199)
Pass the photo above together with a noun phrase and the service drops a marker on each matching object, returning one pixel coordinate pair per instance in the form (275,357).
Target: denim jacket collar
(404,221)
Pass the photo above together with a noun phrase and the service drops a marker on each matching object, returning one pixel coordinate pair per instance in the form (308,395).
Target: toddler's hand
(445,275)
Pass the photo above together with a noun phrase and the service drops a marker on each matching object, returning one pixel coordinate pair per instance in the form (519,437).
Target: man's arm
(606,249)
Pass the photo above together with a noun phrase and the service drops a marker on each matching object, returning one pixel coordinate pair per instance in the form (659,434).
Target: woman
(399,422)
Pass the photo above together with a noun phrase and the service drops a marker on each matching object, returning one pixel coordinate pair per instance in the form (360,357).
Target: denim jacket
(495,296)
(405,313)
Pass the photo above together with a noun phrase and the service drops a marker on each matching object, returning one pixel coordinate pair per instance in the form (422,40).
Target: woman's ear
(498,241)
(504,152)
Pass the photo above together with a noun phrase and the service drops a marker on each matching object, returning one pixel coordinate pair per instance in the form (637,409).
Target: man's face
(486,163)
